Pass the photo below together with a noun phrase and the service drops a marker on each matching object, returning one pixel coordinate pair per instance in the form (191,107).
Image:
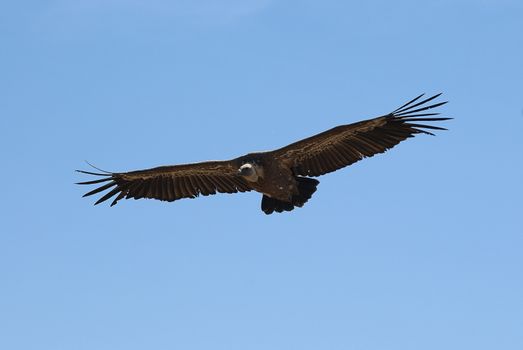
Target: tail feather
(306,188)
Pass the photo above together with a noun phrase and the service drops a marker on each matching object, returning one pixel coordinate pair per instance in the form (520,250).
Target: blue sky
(419,248)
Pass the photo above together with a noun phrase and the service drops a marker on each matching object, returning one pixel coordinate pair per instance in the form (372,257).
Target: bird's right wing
(346,144)
(169,183)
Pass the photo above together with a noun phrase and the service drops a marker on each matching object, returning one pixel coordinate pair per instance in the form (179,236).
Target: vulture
(283,176)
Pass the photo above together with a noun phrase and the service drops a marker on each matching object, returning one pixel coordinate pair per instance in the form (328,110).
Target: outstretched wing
(169,183)
(346,144)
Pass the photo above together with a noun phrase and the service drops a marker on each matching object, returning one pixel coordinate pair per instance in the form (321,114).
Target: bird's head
(248,171)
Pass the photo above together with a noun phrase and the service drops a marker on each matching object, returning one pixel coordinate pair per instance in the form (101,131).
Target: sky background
(418,248)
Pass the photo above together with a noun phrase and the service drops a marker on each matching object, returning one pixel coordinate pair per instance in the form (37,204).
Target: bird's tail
(306,188)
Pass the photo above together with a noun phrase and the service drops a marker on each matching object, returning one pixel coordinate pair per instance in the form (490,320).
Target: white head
(249,172)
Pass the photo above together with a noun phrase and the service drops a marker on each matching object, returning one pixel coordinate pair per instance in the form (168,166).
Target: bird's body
(273,179)
(282,175)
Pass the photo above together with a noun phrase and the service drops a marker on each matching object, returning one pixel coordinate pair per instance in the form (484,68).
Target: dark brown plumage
(280,175)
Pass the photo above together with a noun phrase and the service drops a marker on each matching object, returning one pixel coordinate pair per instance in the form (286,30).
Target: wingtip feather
(408,103)
(407,108)
(91,173)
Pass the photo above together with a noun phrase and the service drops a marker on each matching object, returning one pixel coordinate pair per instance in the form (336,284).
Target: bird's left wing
(169,183)
(346,144)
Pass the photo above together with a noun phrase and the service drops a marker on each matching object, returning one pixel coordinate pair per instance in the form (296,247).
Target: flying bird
(282,176)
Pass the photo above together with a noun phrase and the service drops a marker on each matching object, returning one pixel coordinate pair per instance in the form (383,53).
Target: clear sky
(418,248)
